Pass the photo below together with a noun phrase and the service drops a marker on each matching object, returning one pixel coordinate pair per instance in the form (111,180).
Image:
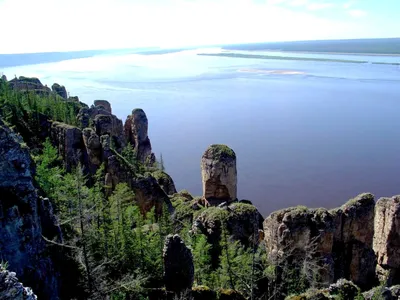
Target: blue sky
(65,25)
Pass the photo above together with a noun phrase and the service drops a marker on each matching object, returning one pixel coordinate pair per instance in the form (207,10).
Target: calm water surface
(317,138)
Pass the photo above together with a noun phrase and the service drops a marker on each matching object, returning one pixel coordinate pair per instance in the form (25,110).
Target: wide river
(317,135)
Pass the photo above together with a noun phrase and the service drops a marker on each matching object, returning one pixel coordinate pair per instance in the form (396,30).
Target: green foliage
(221,151)
(202,259)
(130,158)
(48,173)
(27,111)
(3,265)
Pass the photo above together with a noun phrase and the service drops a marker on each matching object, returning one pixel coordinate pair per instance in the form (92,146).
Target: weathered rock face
(59,90)
(11,289)
(100,141)
(104,103)
(21,242)
(29,84)
(387,239)
(219,175)
(93,148)
(165,181)
(178,265)
(338,241)
(69,142)
(136,127)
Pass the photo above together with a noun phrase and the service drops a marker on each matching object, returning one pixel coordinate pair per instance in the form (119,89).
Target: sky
(69,25)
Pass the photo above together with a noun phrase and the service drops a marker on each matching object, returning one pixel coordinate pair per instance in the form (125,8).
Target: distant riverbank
(260,56)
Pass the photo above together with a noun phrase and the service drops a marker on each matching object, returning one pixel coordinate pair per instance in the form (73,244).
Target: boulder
(12,289)
(104,104)
(387,239)
(219,175)
(59,90)
(21,242)
(136,127)
(333,243)
(178,265)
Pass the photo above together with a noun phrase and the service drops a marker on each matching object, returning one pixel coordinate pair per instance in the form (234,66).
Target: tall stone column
(219,174)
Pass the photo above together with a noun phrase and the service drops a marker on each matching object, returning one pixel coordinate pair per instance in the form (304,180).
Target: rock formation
(165,181)
(136,127)
(339,241)
(69,142)
(59,90)
(342,289)
(103,104)
(12,289)
(29,84)
(100,140)
(387,239)
(178,265)
(219,175)
(242,221)
(21,242)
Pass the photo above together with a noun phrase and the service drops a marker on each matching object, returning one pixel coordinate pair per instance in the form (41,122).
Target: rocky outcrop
(383,293)
(219,175)
(59,90)
(104,104)
(100,141)
(387,239)
(178,265)
(136,127)
(12,289)
(68,139)
(242,221)
(29,84)
(21,242)
(338,241)
(342,289)
(93,148)
(165,181)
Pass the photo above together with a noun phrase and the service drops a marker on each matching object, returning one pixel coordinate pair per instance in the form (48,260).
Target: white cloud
(65,25)
(320,6)
(357,13)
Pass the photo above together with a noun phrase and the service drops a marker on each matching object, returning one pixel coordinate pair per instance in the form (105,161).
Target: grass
(220,151)
(259,56)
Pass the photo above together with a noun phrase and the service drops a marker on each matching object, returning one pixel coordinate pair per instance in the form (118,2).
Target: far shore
(276,57)
(319,52)
(281,72)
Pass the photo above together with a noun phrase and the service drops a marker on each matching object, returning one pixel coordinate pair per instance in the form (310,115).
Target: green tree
(48,173)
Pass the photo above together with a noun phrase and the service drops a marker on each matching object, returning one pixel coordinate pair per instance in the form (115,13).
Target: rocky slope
(12,289)
(22,214)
